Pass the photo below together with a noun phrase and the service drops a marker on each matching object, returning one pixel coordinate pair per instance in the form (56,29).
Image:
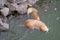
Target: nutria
(36,24)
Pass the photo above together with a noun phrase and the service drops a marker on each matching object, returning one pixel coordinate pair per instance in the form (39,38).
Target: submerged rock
(4,26)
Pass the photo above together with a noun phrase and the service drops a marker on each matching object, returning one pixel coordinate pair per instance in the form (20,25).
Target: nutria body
(36,24)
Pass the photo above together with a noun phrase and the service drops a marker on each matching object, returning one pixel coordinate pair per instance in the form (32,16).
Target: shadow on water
(18,31)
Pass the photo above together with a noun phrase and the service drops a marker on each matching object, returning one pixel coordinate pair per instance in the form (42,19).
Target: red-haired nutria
(36,24)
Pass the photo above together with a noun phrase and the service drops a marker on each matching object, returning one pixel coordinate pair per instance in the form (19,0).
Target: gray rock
(5,11)
(4,24)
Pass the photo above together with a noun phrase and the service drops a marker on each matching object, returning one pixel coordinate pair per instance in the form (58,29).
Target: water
(50,17)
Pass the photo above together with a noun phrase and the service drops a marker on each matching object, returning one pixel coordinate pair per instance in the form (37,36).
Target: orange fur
(36,24)
(34,13)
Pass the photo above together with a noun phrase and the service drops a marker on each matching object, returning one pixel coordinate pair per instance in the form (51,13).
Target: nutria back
(32,24)
(36,24)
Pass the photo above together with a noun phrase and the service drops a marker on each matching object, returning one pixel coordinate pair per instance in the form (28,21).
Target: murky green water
(20,32)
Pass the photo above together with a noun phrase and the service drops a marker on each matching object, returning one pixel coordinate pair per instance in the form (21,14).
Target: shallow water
(51,17)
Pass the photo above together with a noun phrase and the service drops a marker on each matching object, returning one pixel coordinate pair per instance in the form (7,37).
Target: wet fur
(34,13)
(36,24)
